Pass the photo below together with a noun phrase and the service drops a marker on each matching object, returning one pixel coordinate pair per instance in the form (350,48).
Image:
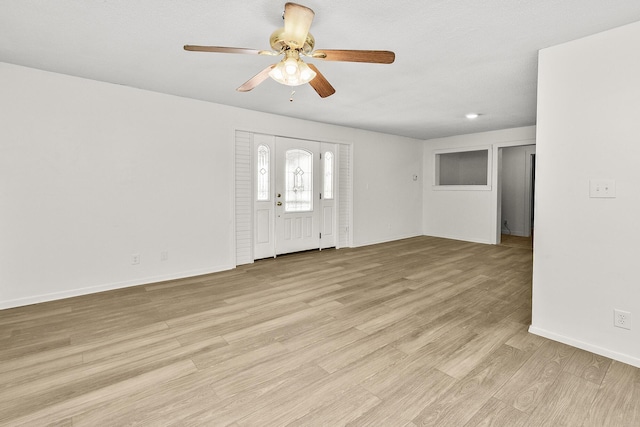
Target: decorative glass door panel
(298,196)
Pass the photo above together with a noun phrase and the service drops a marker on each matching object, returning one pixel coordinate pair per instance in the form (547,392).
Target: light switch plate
(604,188)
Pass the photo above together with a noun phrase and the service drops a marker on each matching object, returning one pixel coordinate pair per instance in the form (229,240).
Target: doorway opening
(516,195)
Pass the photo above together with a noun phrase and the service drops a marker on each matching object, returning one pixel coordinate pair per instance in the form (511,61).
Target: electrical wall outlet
(622,319)
(135,259)
(164,256)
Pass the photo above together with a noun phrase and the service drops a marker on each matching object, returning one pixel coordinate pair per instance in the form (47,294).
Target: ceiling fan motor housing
(280,42)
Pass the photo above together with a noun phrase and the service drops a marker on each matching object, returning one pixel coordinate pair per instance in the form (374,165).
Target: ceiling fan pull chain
(291,97)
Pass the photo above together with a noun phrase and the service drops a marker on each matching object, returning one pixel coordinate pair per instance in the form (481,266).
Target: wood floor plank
(390,382)
(566,404)
(320,333)
(330,344)
(404,397)
(523,340)
(256,401)
(151,406)
(12,350)
(474,390)
(497,413)
(467,357)
(45,414)
(526,389)
(588,366)
(57,386)
(326,391)
(617,401)
(304,312)
(341,412)
(432,330)
(362,347)
(419,331)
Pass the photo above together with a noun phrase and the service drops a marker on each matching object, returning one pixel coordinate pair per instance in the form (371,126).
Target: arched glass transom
(298,196)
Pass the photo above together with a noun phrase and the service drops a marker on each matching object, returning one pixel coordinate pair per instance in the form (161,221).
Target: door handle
(278,203)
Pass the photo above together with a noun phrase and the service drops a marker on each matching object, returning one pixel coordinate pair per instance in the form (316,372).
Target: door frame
(244,221)
(497,181)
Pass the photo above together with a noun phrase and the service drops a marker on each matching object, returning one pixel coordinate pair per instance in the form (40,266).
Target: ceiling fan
(295,40)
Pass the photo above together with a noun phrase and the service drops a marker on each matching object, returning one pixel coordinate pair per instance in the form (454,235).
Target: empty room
(319,214)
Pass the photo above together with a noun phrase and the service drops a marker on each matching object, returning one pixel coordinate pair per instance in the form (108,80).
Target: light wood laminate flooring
(516,241)
(422,331)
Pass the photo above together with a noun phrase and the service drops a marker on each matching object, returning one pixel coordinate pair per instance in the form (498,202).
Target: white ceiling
(452,57)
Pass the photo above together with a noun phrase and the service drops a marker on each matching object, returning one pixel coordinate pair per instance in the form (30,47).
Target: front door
(297,195)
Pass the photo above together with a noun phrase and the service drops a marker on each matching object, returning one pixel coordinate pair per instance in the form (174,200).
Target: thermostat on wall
(605,188)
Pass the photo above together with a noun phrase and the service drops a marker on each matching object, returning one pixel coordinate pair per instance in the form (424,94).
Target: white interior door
(297,195)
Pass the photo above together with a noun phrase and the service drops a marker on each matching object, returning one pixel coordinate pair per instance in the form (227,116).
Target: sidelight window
(328,175)
(263,172)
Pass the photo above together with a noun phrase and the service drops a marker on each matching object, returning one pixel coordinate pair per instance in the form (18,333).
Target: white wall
(586,249)
(470,215)
(516,193)
(91,173)
(387,201)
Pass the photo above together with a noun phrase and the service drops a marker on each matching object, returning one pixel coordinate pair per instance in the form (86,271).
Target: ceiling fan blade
(320,84)
(256,80)
(297,21)
(371,56)
(222,49)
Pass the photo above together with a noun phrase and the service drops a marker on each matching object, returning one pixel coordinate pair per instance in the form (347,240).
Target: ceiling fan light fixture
(291,71)
(291,66)
(306,73)
(277,74)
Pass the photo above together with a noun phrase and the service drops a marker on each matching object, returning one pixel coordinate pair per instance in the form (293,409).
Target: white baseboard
(460,238)
(621,357)
(386,240)
(36,299)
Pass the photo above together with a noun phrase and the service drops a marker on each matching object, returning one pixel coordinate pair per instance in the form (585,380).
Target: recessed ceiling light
(472,115)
